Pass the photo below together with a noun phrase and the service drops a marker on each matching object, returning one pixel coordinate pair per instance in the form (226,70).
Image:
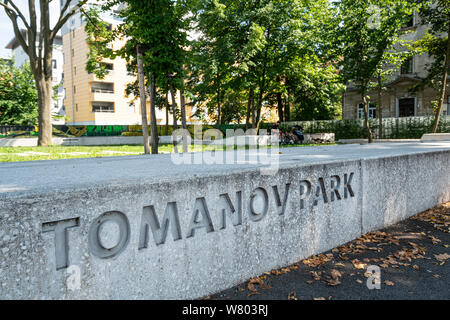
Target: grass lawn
(10,154)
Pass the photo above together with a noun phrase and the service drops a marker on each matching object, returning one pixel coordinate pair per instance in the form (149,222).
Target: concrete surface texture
(436,137)
(141,227)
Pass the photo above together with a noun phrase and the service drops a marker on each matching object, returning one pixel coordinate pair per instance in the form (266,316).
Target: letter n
(233,212)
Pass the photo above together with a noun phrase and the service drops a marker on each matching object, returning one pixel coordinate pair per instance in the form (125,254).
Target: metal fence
(5,129)
(392,128)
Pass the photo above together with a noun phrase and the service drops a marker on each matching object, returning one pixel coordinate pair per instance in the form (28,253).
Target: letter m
(159,230)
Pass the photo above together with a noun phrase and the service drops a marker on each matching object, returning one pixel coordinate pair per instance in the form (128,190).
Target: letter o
(95,243)
(259,193)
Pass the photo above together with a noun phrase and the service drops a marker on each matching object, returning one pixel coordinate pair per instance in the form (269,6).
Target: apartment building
(397,101)
(93,101)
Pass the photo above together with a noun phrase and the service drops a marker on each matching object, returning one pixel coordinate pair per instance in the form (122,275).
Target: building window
(74,89)
(372,110)
(448,105)
(102,106)
(75,70)
(73,52)
(407,66)
(406,107)
(102,87)
(54,65)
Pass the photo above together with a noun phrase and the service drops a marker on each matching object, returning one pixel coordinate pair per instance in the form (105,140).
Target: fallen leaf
(316,275)
(436,276)
(292,296)
(320,298)
(257,281)
(333,282)
(442,257)
(359,281)
(335,274)
(416,267)
(358,265)
(434,240)
(388,283)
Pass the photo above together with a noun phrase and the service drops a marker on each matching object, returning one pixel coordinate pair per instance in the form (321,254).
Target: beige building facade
(397,100)
(89,100)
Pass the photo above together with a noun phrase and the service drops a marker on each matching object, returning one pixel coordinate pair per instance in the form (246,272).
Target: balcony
(102,87)
(102,106)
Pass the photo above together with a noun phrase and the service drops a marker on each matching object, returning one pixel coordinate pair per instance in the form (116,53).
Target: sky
(6,28)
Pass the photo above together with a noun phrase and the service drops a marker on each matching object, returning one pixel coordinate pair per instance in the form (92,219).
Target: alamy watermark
(374,277)
(237,147)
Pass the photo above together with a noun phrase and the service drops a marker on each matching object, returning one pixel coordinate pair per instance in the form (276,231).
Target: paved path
(426,276)
(158,168)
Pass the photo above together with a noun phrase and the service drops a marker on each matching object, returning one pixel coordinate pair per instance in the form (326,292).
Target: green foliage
(18,95)
(437,15)
(267,48)
(369,34)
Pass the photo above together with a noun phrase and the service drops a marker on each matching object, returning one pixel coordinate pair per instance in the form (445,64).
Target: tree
(37,42)
(18,95)
(251,54)
(370,29)
(436,42)
(159,28)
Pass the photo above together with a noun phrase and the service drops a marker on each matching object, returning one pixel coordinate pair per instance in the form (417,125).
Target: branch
(33,30)
(63,18)
(13,17)
(13,9)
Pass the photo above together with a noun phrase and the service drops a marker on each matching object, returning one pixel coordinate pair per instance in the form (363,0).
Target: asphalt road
(424,277)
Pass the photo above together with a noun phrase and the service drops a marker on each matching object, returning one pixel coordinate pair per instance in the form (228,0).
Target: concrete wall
(119,140)
(105,218)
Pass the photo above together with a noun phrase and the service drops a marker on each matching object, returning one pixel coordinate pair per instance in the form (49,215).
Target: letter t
(61,241)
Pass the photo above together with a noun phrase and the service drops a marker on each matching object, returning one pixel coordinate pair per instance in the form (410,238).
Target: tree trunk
(153,123)
(288,106)
(44,89)
(183,116)
(260,98)
(280,102)
(166,104)
(444,86)
(290,102)
(219,111)
(142,97)
(380,110)
(174,111)
(249,108)
(366,118)
(280,107)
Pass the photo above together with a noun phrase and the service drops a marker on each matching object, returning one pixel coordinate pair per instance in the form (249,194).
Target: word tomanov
(155,227)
